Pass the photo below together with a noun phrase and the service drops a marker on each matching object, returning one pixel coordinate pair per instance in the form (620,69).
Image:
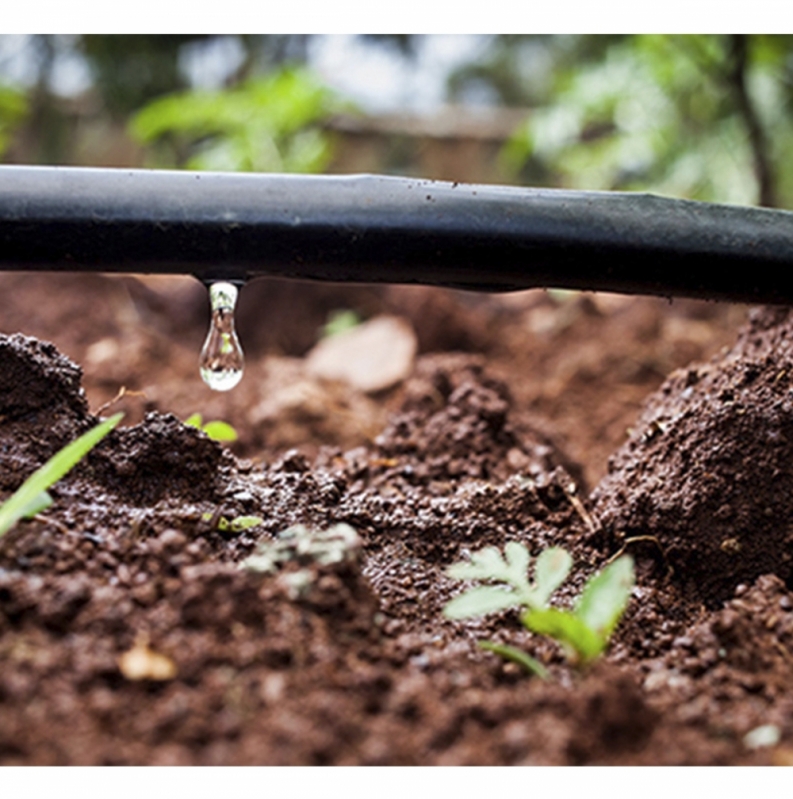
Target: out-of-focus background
(705,117)
(701,116)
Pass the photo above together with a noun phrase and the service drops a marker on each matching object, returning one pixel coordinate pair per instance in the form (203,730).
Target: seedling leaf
(217,430)
(518,559)
(606,595)
(516,656)
(553,566)
(340,321)
(28,494)
(244,522)
(571,631)
(487,564)
(220,431)
(584,632)
(302,545)
(479,601)
(236,525)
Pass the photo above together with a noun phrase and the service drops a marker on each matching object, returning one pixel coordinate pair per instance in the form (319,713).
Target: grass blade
(27,495)
(40,503)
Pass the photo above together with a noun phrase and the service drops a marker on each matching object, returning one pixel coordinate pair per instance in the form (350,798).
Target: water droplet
(221,359)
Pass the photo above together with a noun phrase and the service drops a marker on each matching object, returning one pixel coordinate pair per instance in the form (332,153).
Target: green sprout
(304,545)
(217,431)
(340,321)
(583,632)
(32,496)
(235,525)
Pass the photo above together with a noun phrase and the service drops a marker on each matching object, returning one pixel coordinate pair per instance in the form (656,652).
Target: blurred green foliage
(13,110)
(129,70)
(264,124)
(700,116)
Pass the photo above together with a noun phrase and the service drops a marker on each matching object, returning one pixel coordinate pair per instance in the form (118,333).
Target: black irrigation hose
(367,229)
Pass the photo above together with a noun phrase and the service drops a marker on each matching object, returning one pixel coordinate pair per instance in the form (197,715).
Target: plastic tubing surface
(378,229)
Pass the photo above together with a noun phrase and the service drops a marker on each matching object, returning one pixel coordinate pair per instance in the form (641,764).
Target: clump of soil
(706,478)
(41,404)
(456,416)
(131,633)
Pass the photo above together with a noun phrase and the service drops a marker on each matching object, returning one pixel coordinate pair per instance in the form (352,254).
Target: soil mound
(43,407)
(706,479)
(456,416)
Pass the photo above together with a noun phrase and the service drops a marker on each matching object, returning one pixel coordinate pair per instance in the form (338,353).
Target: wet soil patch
(131,633)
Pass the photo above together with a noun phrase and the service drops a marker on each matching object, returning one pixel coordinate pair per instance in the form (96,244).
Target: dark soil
(130,634)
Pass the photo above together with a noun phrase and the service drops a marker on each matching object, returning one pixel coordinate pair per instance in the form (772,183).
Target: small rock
(763,736)
(372,357)
(142,663)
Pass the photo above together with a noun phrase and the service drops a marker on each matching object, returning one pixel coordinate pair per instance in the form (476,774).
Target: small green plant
(32,496)
(217,431)
(340,321)
(305,546)
(584,631)
(235,525)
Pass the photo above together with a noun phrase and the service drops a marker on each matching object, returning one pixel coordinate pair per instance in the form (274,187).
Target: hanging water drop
(221,359)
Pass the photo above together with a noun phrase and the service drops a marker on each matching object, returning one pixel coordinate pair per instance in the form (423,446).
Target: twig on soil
(122,392)
(638,538)
(579,508)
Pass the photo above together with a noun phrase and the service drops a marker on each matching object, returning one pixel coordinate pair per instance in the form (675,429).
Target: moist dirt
(130,632)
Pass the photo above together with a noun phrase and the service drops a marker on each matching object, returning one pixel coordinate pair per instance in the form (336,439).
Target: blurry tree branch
(757,136)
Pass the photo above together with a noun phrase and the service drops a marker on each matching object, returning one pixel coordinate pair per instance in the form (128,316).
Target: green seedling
(584,631)
(217,431)
(305,546)
(235,525)
(32,496)
(340,321)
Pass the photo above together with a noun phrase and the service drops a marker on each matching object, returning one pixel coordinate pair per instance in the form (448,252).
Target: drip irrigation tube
(369,228)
